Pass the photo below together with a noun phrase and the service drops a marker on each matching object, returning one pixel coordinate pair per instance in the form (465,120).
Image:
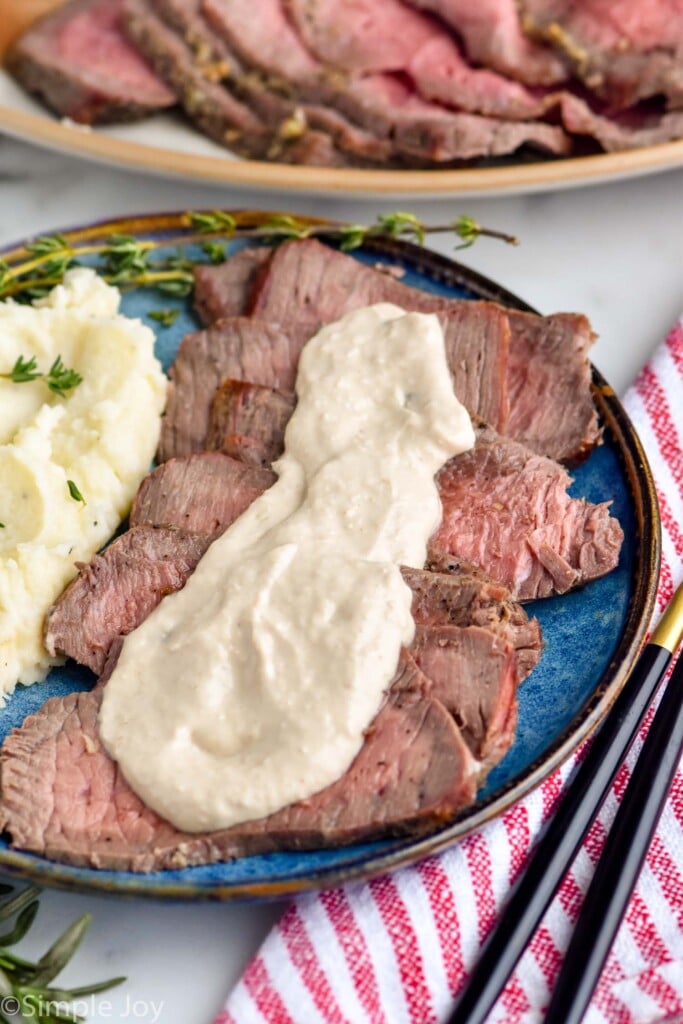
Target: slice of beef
(468,597)
(473,674)
(202,493)
(385,104)
(644,125)
(389,105)
(321,285)
(388,35)
(117,590)
(507,510)
(549,385)
(62,797)
(214,109)
(238,348)
(493,36)
(624,50)
(248,422)
(476,334)
(226,102)
(80,63)
(224,290)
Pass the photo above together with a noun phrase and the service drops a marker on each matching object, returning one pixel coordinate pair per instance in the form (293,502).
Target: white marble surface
(613,251)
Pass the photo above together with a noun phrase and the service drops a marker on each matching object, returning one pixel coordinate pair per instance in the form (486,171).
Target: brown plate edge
(362,182)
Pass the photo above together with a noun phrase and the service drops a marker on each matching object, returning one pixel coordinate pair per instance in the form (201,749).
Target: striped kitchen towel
(397,950)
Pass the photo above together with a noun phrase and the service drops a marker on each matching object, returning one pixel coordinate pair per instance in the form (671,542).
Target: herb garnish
(165,317)
(74,492)
(24,986)
(130,262)
(59,378)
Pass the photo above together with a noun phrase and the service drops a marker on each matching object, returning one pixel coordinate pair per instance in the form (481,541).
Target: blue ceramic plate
(592,636)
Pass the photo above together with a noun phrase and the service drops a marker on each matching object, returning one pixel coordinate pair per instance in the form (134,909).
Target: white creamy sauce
(252,687)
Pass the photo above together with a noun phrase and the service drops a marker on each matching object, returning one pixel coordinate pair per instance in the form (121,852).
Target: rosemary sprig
(25,990)
(59,378)
(127,262)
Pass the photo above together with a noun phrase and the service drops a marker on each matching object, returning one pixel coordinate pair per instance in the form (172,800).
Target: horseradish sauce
(252,687)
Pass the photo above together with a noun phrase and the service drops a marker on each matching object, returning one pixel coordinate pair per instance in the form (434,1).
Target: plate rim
(440,268)
(543,175)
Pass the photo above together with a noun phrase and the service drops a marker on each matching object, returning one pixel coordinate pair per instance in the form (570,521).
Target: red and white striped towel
(397,950)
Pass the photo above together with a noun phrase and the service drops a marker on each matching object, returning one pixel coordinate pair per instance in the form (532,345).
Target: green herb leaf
(18,902)
(21,926)
(74,492)
(61,951)
(26,984)
(352,236)
(215,251)
(165,317)
(468,229)
(128,262)
(401,223)
(212,223)
(24,370)
(60,379)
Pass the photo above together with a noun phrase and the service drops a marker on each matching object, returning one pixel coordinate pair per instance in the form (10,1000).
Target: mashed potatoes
(96,442)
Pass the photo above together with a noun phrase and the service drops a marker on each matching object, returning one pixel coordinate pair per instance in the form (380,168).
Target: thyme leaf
(130,262)
(23,371)
(165,317)
(74,492)
(59,378)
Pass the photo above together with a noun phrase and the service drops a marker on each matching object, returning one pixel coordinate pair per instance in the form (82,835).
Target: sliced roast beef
(624,50)
(508,367)
(62,797)
(644,125)
(549,385)
(80,63)
(248,422)
(202,493)
(228,103)
(468,597)
(473,674)
(238,348)
(117,590)
(214,109)
(493,36)
(477,336)
(388,35)
(421,131)
(224,290)
(385,104)
(507,510)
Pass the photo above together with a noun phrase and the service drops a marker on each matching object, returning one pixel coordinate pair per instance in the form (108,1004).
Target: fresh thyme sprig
(59,378)
(128,262)
(25,990)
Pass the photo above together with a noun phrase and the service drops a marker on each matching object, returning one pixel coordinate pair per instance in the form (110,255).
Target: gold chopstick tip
(669,630)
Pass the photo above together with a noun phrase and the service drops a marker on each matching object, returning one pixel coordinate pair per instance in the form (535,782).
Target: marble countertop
(614,252)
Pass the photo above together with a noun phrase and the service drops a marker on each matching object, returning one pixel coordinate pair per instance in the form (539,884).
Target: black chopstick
(561,840)
(621,859)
